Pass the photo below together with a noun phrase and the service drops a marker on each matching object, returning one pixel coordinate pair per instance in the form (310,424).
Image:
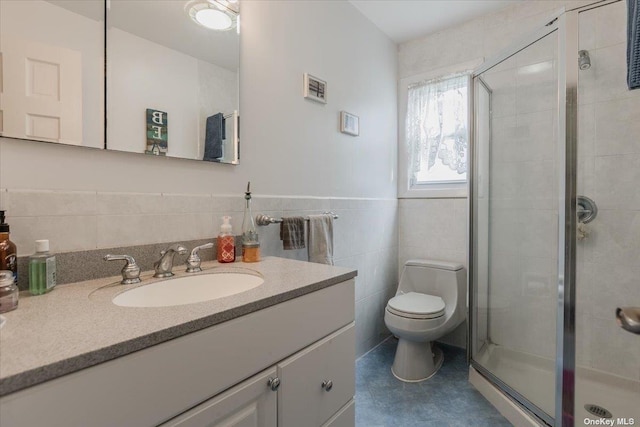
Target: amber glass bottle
(8,250)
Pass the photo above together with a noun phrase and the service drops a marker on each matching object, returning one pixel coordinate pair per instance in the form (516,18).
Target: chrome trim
(164,265)
(471,88)
(130,271)
(193,261)
(567,218)
(266,219)
(628,318)
(587,210)
(513,394)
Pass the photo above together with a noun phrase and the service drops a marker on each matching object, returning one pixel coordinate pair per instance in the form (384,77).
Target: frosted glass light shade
(213,19)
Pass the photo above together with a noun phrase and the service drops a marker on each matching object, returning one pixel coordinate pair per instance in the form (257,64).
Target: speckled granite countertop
(76,325)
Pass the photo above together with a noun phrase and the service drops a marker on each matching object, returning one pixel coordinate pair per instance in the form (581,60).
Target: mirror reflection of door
(52,71)
(42,92)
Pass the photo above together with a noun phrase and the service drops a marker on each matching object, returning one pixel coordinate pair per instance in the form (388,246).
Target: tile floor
(447,399)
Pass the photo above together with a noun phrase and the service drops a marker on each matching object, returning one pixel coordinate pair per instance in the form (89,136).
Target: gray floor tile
(446,399)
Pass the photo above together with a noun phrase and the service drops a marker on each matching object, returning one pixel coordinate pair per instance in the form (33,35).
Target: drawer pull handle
(327,385)
(274,383)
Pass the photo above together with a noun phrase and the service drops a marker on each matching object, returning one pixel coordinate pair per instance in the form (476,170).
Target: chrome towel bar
(266,219)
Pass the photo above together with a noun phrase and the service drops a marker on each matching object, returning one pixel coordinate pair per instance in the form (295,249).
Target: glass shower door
(515,223)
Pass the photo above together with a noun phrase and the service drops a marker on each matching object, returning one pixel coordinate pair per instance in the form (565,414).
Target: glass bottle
(250,243)
(8,250)
(8,292)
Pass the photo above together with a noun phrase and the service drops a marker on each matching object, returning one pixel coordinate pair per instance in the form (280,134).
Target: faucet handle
(131,270)
(194,261)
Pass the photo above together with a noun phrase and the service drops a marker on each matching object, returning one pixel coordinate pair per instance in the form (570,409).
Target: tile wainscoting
(80,224)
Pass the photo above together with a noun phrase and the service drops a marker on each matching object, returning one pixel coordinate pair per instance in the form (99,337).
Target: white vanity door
(251,403)
(318,381)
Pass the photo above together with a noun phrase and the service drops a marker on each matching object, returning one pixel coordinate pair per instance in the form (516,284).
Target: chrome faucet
(131,270)
(164,265)
(193,262)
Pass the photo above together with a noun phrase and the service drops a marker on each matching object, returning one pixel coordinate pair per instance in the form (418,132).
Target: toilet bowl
(430,302)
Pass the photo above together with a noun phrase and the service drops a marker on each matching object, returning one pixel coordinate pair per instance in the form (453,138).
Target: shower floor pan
(534,377)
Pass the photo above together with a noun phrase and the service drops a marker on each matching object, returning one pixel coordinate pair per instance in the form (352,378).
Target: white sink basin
(188,290)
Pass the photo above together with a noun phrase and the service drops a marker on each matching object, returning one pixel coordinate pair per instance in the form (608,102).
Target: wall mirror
(172,78)
(52,71)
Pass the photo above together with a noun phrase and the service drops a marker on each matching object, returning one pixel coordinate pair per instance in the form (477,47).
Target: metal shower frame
(566,24)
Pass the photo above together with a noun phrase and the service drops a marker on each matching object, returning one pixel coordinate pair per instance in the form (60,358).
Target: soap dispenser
(226,242)
(42,269)
(250,243)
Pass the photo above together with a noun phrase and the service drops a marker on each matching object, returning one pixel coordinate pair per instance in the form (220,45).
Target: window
(436,137)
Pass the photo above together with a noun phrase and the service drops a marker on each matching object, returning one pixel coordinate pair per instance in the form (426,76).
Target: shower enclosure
(555,221)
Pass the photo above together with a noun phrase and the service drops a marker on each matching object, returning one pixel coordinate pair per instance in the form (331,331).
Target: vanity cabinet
(249,404)
(216,376)
(306,389)
(316,382)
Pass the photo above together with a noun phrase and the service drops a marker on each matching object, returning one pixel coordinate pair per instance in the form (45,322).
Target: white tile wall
(365,234)
(608,171)
(434,229)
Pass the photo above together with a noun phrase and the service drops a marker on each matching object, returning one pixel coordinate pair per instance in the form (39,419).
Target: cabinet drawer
(250,403)
(303,401)
(346,417)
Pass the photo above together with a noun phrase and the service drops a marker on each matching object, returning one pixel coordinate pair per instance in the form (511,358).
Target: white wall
(186,88)
(290,147)
(42,22)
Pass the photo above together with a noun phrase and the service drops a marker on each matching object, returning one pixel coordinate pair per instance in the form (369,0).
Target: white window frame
(442,190)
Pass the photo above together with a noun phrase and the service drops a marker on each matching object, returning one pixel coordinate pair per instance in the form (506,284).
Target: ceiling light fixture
(219,15)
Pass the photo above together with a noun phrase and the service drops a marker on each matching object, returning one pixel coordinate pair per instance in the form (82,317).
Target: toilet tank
(440,278)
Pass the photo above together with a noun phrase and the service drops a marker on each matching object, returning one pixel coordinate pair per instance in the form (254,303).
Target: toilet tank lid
(442,265)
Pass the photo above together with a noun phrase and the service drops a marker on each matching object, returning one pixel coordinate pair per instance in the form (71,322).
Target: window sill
(433,192)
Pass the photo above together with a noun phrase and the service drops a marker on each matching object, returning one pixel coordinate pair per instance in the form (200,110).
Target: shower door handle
(629,319)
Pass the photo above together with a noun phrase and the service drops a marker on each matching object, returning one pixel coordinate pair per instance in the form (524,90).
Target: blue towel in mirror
(213,137)
(633,44)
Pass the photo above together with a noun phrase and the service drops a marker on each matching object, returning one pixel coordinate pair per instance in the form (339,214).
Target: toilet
(430,302)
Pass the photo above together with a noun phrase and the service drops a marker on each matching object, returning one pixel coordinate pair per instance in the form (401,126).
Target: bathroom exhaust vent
(598,411)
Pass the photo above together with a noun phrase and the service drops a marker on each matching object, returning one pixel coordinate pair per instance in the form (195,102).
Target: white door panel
(41,92)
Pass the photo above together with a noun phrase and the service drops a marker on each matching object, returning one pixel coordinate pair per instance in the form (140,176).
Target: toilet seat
(415,305)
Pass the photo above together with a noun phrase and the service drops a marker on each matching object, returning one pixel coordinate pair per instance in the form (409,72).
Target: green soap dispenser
(42,269)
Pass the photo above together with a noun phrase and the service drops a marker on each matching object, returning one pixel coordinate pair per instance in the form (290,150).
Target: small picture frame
(315,89)
(349,123)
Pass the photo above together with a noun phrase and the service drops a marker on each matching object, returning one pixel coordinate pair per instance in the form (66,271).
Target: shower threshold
(534,377)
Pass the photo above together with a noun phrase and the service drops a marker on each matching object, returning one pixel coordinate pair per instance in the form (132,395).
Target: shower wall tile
(586,129)
(617,183)
(536,86)
(616,127)
(611,350)
(608,29)
(607,260)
